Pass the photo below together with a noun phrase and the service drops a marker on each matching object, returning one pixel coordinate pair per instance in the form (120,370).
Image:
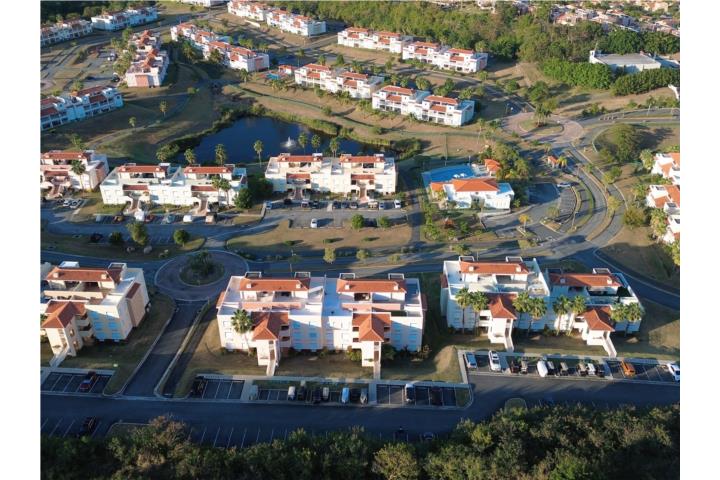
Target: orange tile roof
(475,185)
(501,305)
(496,268)
(674,193)
(60,313)
(492,165)
(438,108)
(315,66)
(461,51)
(371,326)
(437,186)
(356,76)
(284,157)
(84,274)
(274,284)
(398,90)
(370,286)
(142,168)
(424,44)
(266,325)
(598,318)
(585,279)
(66,155)
(209,170)
(349,158)
(676,158)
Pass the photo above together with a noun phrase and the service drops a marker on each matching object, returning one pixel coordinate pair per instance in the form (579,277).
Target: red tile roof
(439,99)
(266,325)
(371,326)
(585,280)
(398,90)
(315,66)
(60,313)
(496,268)
(71,274)
(475,185)
(127,168)
(274,284)
(209,170)
(501,305)
(492,165)
(598,318)
(461,51)
(370,286)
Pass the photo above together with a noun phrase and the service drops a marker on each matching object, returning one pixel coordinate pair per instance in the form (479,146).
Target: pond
(277,137)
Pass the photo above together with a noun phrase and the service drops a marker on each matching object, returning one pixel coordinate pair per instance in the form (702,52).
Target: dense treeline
(646,80)
(505,34)
(49,11)
(541,443)
(581,74)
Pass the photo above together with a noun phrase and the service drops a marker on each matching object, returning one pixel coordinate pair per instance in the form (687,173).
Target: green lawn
(128,354)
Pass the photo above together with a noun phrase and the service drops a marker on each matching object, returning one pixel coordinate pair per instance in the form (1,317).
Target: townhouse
(232,56)
(166,184)
(71,170)
(358,175)
(357,85)
(205,3)
(423,106)
(585,302)
(63,31)
(122,20)
(485,191)
(667,198)
(667,165)
(309,313)
(150,64)
(282,19)
(56,111)
(246,9)
(444,57)
(356,37)
(81,305)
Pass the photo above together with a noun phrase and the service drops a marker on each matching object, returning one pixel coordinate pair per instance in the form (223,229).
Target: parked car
(494,359)
(118,218)
(169,219)
(674,371)
(564,371)
(582,369)
(542,368)
(428,437)
(513,366)
(563,185)
(287,201)
(314,223)
(409,393)
(88,382)
(66,203)
(198,387)
(591,369)
(149,218)
(551,368)
(345,395)
(96,237)
(353,205)
(523,367)
(187,218)
(317,395)
(436,396)
(370,222)
(315,204)
(601,370)
(302,391)
(381,205)
(88,426)
(470,361)
(364,396)
(354,395)
(268,205)
(305,204)
(291,392)
(326,394)
(628,369)
(398,204)
(335,204)
(345,205)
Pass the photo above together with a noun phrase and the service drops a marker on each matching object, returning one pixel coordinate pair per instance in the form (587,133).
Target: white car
(398,204)
(313,223)
(494,359)
(674,371)
(563,185)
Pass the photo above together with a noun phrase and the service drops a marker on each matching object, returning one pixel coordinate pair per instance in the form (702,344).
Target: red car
(88,382)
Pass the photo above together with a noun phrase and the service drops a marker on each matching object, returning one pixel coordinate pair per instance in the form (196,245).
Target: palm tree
(479,302)
(334,146)
(578,306)
(132,121)
(163,107)
(524,218)
(537,310)
(522,303)
(241,322)
(619,313)
(562,161)
(356,66)
(464,299)
(244,75)
(316,141)
(222,184)
(220,154)
(633,313)
(190,157)
(258,147)
(562,306)
(303,140)
(321,59)
(78,168)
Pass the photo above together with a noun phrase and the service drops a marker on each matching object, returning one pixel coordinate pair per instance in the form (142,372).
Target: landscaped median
(124,357)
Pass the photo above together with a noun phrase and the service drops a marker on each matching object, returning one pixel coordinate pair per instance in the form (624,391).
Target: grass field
(659,334)
(128,354)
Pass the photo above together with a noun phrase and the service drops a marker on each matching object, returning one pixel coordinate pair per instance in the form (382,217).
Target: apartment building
(357,175)
(205,3)
(630,63)
(357,85)
(296,24)
(83,304)
(122,20)
(58,171)
(667,165)
(444,57)
(502,283)
(246,9)
(166,184)
(667,198)
(232,56)
(486,191)
(56,111)
(311,313)
(423,106)
(63,31)
(356,37)
(150,64)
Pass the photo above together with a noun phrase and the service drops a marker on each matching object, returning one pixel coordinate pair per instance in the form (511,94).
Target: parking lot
(218,389)
(327,217)
(69,427)
(70,383)
(395,395)
(643,371)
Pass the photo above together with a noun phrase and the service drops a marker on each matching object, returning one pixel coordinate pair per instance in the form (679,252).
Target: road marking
(56,426)
(230,437)
(243,439)
(216,436)
(203,435)
(56,382)
(68,428)
(43,424)
(285,438)
(258,436)
(229,390)
(272,434)
(68,383)
(97,429)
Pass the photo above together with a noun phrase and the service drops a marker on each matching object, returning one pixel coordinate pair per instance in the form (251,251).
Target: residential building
(357,85)
(150,64)
(252,10)
(346,174)
(502,282)
(311,313)
(423,106)
(56,111)
(293,23)
(197,37)
(85,304)
(446,58)
(356,37)
(630,63)
(667,198)
(122,20)
(166,184)
(667,165)
(57,171)
(205,3)
(492,167)
(398,99)
(485,191)
(63,31)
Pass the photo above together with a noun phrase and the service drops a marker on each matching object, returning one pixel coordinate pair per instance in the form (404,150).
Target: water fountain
(289,143)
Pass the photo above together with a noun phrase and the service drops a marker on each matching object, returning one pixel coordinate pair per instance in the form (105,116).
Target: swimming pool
(273,76)
(446,174)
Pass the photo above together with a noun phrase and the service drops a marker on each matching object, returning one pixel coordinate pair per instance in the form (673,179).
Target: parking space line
(56,426)
(258,436)
(68,428)
(216,436)
(56,381)
(203,435)
(97,429)
(285,438)
(229,390)
(243,439)
(232,429)
(272,434)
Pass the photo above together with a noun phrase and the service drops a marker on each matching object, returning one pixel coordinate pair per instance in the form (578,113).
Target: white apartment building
(356,37)
(423,106)
(630,63)
(246,9)
(63,31)
(446,58)
(57,175)
(346,174)
(205,3)
(166,184)
(357,85)
(292,23)
(85,304)
(485,190)
(56,111)
(122,20)
(667,197)
(668,165)
(312,313)
(150,64)
(502,282)
(234,57)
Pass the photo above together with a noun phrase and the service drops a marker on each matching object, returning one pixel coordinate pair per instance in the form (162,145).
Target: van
(409,393)
(542,368)
(345,395)
(523,367)
(582,369)
(470,361)
(398,204)
(627,368)
(551,368)
(364,396)
(210,218)
(326,394)
(254,392)
(291,392)
(187,218)
(591,369)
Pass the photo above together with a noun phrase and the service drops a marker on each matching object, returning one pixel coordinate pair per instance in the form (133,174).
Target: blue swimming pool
(273,76)
(445,174)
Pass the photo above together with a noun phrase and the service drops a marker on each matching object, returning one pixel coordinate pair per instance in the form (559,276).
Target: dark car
(198,387)
(317,395)
(513,366)
(88,382)
(354,395)
(287,201)
(335,204)
(315,204)
(88,426)
(353,205)
(345,205)
(96,237)
(302,391)
(435,396)
(149,218)
(370,222)
(428,437)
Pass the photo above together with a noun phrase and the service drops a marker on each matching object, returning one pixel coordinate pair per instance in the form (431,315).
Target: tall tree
(190,157)
(562,307)
(221,155)
(241,322)
(258,147)
(334,146)
(163,107)
(316,141)
(303,140)
(464,299)
(479,302)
